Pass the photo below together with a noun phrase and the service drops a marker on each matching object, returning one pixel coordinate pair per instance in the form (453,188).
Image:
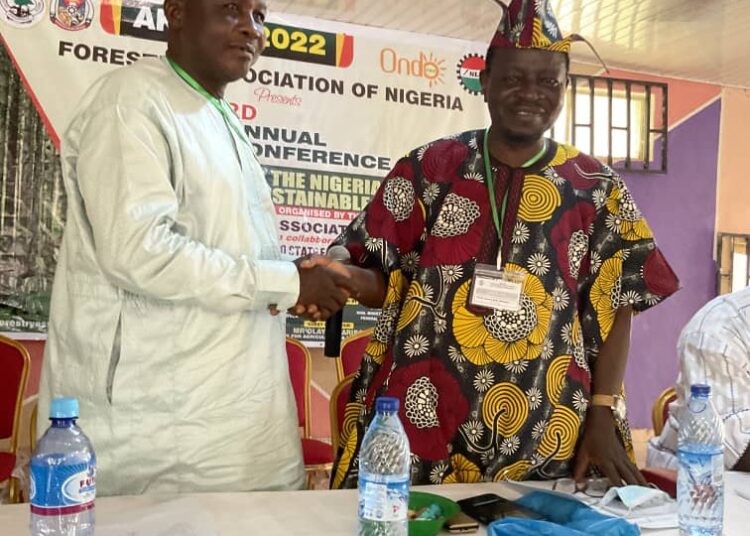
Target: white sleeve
(722,363)
(123,173)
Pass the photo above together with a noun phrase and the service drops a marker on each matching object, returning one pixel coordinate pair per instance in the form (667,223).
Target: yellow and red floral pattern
(491,394)
(504,336)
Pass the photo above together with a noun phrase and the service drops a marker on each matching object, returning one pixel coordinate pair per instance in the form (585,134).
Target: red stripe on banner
(64,511)
(32,95)
(107,17)
(345,50)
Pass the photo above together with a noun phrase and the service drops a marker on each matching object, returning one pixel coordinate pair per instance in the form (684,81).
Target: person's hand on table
(601,447)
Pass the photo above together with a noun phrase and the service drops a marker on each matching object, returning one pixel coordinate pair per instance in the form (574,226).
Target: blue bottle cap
(700,389)
(63,408)
(386,404)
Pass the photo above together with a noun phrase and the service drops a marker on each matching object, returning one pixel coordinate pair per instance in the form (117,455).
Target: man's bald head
(216,41)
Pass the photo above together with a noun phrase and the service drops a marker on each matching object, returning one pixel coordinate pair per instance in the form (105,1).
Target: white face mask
(635,496)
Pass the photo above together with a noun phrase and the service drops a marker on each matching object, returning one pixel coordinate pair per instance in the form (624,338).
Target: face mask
(635,496)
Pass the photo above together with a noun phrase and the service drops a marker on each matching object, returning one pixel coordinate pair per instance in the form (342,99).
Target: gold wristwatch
(614,402)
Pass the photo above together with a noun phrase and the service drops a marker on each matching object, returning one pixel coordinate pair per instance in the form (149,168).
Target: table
(291,513)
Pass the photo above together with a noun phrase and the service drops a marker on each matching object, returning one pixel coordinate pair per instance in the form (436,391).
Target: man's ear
(174,10)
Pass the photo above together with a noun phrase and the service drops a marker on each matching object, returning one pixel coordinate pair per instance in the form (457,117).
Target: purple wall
(681,209)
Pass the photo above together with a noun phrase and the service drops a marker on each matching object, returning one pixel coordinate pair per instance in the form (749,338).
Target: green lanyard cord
(500,218)
(220,104)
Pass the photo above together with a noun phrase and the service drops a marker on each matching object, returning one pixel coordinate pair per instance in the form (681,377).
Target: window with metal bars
(734,268)
(623,123)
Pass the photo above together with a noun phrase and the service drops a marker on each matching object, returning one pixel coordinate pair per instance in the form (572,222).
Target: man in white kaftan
(170,261)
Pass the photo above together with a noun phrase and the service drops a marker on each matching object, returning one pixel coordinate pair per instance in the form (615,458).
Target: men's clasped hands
(325,286)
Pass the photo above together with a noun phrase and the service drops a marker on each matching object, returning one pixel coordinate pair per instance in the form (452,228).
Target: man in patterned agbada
(530,389)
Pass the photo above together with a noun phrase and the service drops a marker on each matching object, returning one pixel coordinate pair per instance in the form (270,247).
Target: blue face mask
(635,496)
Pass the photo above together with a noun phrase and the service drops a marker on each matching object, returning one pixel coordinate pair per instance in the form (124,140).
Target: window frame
(654,121)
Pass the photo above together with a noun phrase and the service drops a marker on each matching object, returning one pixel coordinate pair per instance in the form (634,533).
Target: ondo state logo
(426,66)
(468,70)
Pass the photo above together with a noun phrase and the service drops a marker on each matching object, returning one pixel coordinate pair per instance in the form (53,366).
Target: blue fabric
(563,517)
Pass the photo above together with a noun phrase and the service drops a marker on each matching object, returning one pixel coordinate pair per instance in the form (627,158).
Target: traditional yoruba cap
(532,24)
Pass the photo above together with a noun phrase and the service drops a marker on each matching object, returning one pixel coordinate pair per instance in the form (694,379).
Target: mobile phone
(461,524)
(490,507)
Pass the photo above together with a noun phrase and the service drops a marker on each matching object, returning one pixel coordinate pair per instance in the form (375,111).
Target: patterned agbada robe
(486,394)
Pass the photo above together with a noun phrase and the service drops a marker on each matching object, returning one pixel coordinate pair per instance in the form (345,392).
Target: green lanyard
(500,218)
(220,104)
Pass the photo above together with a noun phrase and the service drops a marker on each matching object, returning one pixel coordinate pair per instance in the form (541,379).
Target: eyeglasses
(593,487)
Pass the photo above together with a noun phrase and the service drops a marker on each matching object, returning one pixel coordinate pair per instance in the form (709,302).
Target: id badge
(494,288)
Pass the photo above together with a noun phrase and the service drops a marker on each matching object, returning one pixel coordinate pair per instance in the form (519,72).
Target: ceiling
(705,40)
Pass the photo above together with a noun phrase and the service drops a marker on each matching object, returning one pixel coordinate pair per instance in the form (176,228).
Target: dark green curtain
(32,207)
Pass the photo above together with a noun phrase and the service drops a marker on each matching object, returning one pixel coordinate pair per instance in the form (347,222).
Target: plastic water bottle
(384,474)
(63,476)
(700,479)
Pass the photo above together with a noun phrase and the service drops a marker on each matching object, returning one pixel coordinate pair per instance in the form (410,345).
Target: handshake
(325,284)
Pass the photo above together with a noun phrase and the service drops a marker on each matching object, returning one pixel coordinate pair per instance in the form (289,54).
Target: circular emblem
(468,70)
(21,13)
(72,15)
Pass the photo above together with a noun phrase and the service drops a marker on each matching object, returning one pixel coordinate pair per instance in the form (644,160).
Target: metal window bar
(665,128)
(652,97)
(573,109)
(628,125)
(729,246)
(592,106)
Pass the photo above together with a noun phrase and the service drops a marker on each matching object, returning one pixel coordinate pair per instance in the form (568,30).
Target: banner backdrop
(329,107)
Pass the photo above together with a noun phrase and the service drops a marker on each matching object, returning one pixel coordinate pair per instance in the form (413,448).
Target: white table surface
(292,513)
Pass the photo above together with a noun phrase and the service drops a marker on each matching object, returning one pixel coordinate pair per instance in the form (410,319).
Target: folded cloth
(649,508)
(633,497)
(563,517)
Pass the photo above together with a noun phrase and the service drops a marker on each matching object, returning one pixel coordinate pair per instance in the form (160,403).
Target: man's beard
(521,140)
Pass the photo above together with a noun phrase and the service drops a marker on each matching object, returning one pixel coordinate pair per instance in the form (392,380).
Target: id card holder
(493,288)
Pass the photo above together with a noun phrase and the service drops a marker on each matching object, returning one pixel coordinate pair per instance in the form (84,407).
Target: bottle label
(383,500)
(62,489)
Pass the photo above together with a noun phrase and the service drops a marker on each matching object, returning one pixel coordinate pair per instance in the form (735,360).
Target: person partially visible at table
(516,372)
(714,348)
(170,262)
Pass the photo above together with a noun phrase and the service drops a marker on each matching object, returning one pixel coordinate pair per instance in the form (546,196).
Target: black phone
(490,507)
(461,523)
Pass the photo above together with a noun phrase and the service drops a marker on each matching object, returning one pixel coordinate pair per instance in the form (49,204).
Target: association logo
(426,66)
(468,70)
(71,15)
(22,13)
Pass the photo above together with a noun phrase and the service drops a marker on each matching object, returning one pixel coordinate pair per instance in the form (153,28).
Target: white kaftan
(159,318)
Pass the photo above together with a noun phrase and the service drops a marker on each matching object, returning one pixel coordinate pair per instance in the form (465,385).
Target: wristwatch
(614,402)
